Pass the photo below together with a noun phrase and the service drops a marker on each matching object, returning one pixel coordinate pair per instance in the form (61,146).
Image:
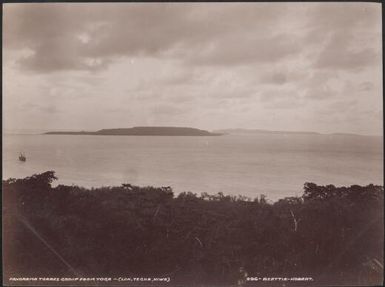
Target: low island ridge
(142,131)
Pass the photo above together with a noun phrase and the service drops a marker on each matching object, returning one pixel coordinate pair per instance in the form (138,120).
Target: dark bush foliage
(333,234)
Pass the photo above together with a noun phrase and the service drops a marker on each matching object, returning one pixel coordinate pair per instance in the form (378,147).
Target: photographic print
(192,144)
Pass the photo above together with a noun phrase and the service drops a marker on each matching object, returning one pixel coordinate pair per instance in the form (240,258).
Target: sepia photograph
(192,144)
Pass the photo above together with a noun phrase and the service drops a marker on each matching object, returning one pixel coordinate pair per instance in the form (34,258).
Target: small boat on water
(22,157)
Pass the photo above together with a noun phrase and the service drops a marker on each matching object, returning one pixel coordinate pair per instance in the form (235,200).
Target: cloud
(90,37)
(320,93)
(338,54)
(245,51)
(326,19)
(199,64)
(41,108)
(49,109)
(280,99)
(166,110)
(346,36)
(366,86)
(276,78)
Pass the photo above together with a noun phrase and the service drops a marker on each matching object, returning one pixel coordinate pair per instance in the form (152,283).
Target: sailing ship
(22,157)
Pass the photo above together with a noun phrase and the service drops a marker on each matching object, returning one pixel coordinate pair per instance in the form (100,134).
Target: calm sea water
(274,165)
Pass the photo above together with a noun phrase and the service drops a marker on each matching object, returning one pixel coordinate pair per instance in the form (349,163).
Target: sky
(276,66)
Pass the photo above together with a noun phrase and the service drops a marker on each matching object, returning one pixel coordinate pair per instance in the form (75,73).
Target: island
(259,131)
(141,131)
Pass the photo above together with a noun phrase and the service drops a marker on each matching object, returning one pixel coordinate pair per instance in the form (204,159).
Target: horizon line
(38,131)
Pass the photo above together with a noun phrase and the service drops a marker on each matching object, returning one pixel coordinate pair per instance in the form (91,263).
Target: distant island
(187,131)
(141,131)
(260,131)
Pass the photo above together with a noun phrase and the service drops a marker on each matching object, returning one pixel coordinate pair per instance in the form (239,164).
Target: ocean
(276,165)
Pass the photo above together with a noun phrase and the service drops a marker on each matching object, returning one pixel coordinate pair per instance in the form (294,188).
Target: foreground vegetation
(333,234)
